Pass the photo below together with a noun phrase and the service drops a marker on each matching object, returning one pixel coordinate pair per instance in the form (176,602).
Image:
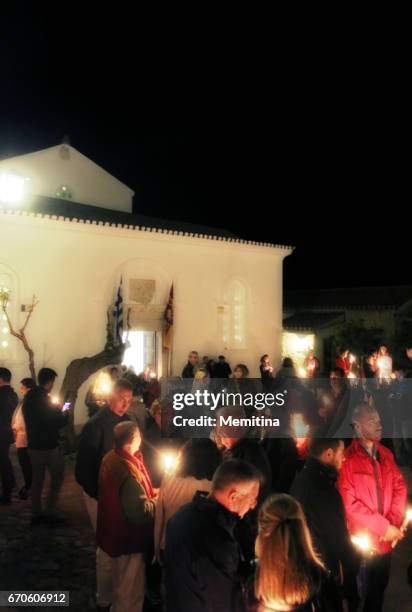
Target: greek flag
(118,316)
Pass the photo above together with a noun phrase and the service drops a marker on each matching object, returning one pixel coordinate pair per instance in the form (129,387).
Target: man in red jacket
(374,495)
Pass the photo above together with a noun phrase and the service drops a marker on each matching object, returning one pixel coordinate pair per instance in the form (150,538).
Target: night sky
(318,164)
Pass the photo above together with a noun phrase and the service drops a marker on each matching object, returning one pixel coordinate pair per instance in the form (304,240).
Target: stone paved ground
(45,558)
(63,558)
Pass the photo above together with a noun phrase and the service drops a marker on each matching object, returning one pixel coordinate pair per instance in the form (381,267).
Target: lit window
(234,318)
(8,298)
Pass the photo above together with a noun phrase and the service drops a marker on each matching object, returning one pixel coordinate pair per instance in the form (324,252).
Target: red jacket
(374,493)
(344,364)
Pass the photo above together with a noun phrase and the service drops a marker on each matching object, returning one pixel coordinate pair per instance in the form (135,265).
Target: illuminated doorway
(142,350)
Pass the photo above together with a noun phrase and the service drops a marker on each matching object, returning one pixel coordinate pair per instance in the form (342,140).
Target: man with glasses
(202,553)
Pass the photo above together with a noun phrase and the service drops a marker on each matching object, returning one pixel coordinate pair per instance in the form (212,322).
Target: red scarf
(137,463)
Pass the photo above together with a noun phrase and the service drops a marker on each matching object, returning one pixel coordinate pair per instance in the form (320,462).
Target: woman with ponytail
(290,576)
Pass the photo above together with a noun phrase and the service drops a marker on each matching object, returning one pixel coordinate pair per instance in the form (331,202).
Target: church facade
(72,250)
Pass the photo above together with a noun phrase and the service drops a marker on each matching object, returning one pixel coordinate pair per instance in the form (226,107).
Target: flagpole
(128,325)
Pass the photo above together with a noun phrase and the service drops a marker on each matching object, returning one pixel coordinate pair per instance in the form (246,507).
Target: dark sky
(315,160)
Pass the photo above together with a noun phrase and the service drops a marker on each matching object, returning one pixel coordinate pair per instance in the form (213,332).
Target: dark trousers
(6,470)
(374,580)
(53,461)
(25,464)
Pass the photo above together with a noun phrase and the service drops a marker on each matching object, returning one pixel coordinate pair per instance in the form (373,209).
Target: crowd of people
(241,520)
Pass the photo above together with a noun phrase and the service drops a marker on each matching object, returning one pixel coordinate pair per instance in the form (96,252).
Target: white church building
(68,235)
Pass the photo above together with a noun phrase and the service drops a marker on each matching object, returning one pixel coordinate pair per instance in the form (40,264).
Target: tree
(20,335)
(79,370)
(358,338)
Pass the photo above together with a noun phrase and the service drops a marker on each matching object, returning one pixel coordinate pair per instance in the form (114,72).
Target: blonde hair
(289,571)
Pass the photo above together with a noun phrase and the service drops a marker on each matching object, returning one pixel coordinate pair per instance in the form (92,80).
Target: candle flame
(362,542)
(169,461)
(300,428)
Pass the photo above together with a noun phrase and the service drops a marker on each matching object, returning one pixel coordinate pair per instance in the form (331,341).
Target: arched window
(234,317)
(8,288)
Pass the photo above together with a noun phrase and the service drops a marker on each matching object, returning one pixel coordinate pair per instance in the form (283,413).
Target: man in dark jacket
(8,403)
(315,488)
(202,554)
(221,369)
(96,439)
(190,368)
(43,421)
(246,449)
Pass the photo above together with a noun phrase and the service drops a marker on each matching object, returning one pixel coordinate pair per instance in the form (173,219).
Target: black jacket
(284,461)
(188,371)
(43,420)
(221,369)
(315,488)
(201,558)
(96,439)
(8,403)
(249,449)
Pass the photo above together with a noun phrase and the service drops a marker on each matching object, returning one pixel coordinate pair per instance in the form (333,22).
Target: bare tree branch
(32,306)
(20,335)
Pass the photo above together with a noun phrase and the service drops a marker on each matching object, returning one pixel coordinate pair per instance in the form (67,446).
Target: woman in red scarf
(125,516)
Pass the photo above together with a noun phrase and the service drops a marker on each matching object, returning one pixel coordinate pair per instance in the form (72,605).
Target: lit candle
(103,385)
(407,519)
(302,372)
(55,399)
(362,542)
(169,461)
(300,428)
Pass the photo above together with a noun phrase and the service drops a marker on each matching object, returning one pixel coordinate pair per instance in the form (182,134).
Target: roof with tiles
(73,211)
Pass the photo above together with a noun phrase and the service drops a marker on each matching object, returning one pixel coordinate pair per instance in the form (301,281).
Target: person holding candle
(374,495)
(125,516)
(44,419)
(20,438)
(343,361)
(290,575)
(311,365)
(96,439)
(197,461)
(384,364)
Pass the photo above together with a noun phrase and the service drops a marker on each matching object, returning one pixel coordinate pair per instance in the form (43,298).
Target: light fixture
(12,188)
